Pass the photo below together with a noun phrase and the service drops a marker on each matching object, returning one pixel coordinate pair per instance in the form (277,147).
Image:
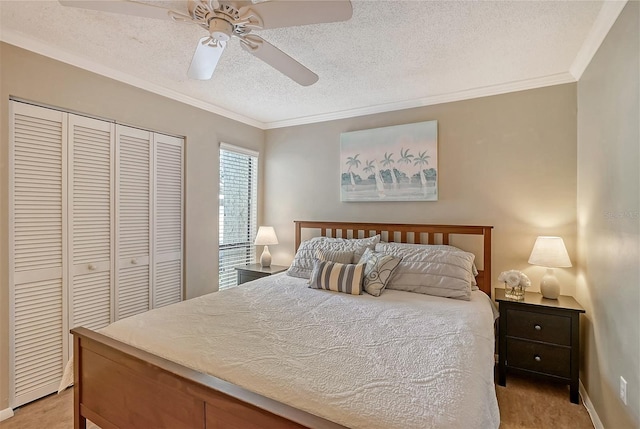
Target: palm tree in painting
(421,161)
(386,162)
(353,162)
(405,158)
(370,168)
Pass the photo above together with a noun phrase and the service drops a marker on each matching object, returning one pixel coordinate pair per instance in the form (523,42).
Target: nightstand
(249,272)
(540,337)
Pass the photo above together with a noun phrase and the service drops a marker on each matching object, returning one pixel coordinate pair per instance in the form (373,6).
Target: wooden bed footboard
(120,386)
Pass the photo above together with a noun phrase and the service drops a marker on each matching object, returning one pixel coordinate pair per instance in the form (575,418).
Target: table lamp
(266,236)
(551,253)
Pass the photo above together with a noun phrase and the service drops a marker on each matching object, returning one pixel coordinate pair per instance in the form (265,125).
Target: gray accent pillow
(302,263)
(431,270)
(378,270)
(339,256)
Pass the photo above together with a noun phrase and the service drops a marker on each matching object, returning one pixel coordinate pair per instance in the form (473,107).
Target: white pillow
(302,264)
(431,270)
(474,269)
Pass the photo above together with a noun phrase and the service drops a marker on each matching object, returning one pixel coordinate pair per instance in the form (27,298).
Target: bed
(235,359)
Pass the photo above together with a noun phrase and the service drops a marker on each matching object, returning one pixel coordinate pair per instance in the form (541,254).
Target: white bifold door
(167,221)
(133,223)
(38,241)
(95,234)
(149,222)
(90,220)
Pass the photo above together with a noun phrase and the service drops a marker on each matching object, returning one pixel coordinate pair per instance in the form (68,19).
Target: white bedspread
(401,360)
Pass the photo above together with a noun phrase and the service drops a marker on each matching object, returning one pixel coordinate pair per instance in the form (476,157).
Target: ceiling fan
(224,19)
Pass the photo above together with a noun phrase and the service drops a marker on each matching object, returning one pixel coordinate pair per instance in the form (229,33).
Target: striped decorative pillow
(340,256)
(345,278)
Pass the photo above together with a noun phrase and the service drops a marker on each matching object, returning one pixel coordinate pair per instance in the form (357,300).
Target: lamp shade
(550,252)
(266,236)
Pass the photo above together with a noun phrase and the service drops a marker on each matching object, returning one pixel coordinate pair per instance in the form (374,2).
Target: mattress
(401,360)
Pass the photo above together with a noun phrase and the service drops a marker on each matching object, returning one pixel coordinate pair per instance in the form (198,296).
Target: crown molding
(22,41)
(601,26)
(38,47)
(556,79)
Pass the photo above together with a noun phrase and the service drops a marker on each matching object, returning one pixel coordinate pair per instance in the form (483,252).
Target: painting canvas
(398,163)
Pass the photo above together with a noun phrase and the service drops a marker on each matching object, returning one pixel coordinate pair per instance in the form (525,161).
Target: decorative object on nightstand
(540,337)
(515,283)
(550,252)
(249,272)
(266,236)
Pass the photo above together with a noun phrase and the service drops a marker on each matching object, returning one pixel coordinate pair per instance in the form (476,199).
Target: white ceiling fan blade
(278,60)
(205,59)
(277,14)
(121,6)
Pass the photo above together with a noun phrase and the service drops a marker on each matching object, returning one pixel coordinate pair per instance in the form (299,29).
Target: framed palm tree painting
(398,163)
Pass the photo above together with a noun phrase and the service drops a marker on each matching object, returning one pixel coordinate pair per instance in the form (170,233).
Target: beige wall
(609,222)
(507,161)
(33,77)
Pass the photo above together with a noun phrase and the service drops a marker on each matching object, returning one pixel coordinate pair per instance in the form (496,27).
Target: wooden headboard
(405,233)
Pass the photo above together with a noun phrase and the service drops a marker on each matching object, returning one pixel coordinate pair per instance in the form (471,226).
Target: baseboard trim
(595,419)
(5,414)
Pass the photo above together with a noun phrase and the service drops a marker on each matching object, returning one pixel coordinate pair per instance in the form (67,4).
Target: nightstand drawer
(250,272)
(542,358)
(530,325)
(248,277)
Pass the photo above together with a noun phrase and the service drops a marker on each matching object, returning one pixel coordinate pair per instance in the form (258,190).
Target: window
(238,211)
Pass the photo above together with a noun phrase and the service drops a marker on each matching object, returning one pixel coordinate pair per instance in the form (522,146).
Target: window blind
(238,211)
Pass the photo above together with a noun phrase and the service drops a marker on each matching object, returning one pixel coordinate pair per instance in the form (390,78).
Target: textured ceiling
(391,53)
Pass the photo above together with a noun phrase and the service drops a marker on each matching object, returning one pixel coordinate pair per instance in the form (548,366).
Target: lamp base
(265,258)
(549,285)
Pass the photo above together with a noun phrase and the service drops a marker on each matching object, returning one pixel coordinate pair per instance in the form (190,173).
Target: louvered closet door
(167,253)
(133,233)
(91,150)
(37,245)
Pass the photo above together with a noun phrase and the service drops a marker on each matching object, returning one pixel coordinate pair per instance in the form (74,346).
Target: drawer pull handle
(134,261)
(537,358)
(537,327)
(91,267)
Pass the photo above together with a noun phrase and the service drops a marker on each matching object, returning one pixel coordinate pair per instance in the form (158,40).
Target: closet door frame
(64,274)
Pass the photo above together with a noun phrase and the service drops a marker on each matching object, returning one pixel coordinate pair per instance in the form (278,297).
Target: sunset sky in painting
(373,143)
